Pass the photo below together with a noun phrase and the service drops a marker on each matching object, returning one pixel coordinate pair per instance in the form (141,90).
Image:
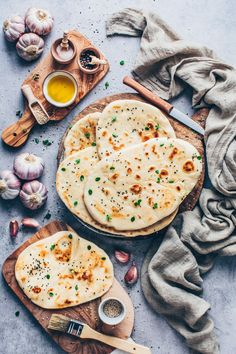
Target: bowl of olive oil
(60,88)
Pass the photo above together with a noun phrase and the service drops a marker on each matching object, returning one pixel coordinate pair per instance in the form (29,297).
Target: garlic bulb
(33,195)
(9,185)
(39,21)
(28,166)
(30,46)
(13,27)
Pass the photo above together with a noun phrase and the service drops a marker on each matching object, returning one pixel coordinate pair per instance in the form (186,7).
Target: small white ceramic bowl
(111,321)
(45,88)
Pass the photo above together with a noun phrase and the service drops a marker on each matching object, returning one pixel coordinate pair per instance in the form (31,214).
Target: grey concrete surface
(211,22)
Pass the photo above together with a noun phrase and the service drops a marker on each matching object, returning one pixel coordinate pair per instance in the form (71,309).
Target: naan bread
(143,184)
(129,122)
(82,134)
(63,270)
(71,177)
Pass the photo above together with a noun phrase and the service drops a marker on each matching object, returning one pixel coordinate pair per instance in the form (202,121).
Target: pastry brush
(76,328)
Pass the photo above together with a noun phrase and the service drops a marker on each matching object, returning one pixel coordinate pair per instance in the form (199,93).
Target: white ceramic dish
(111,321)
(45,88)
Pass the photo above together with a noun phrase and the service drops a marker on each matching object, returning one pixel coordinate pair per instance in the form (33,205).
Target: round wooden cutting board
(181,131)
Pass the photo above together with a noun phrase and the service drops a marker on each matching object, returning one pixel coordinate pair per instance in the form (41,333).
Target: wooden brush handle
(16,134)
(156,100)
(118,343)
(28,93)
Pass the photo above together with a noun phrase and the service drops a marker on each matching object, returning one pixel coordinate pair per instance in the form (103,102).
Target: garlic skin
(13,228)
(29,222)
(30,46)
(39,21)
(13,27)
(9,185)
(28,166)
(33,195)
(122,256)
(131,277)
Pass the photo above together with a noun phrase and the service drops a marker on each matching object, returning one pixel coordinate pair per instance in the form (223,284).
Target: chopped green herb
(52,247)
(51,294)
(158,180)
(113,119)
(103,258)
(90,192)
(155,206)
(97,179)
(87,135)
(171,181)
(157,126)
(132,219)
(48,215)
(138,202)
(89,247)
(46,142)
(77,161)
(157,171)
(199,157)
(108,218)
(106,85)
(70,126)
(114,135)
(112,168)
(48,276)
(63,169)
(94,144)
(19,114)
(162,144)
(122,62)
(146,128)
(17,313)
(70,236)
(81,178)
(75,203)
(171,145)
(76,287)
(36,140)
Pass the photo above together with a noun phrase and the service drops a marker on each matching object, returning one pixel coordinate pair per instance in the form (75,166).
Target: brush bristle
(58,323)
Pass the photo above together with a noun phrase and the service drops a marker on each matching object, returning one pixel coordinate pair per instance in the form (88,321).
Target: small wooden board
(16,134)
(182,132)
(86,312)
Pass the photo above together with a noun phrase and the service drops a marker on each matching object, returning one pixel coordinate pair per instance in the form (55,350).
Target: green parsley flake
(36,140)
(75,203)
(157,171)
(51,294)
(17,313)
(76,287)
(81,178)
(52,247)
(112,168)
(48,276)
(161,144)
(108,218)
(87,135)
(89,247)
(63,169)
(122,62)
(171,181)
(106,85)
(158,180)
(97,179)
(132,219)
(138,202)
(46,142)
(94,144)
(155,206)
(113,119)
(70,236)
(114,135)
(146,128)
(90,192)
(77,161)
(157,126)
(199,157)
(103,258)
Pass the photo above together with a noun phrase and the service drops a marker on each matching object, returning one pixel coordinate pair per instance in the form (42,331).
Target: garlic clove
(33,194)
(9,185)
(30,222)
(131,276)
(28,166)
(122,256)
(14,227)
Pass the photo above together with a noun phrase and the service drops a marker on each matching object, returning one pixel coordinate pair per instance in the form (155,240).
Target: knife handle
(156,100)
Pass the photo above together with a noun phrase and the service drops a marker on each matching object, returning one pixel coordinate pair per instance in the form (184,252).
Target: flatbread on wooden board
(63,270)
(82,134)
(129,122)
(140,185)
(71,177)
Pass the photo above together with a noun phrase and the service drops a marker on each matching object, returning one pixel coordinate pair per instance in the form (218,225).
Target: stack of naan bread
(124,171)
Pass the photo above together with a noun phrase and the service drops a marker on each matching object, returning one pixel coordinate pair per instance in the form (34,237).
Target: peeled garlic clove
(14,227)
(33,194)
(122,256)
(131,276)
(28,166)
(30,222)
(9,185)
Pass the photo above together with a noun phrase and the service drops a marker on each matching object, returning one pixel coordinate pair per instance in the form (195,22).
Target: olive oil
(61,89)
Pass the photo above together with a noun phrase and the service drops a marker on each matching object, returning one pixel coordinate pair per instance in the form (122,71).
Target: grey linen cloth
(172,271)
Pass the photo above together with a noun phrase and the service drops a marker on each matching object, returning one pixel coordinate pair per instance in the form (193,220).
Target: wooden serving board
(86,312)
(181,131)
(17,134)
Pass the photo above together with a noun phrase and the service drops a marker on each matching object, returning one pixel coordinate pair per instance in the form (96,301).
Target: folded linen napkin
(172,271)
